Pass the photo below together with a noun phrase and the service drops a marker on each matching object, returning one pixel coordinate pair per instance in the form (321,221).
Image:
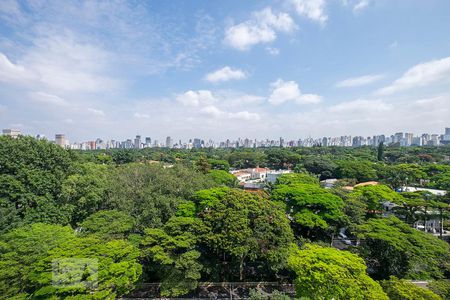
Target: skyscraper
(169,142)
(137,142)
(60,140)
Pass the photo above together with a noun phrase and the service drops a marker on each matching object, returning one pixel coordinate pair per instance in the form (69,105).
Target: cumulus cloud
(261,28)
(311,9)
(211,111)
(359,81)
(196,98)
(420,75)
(215,112)
(225,74)
(284,91)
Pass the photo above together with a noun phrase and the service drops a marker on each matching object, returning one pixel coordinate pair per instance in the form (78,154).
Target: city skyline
(138,142)
(224,69)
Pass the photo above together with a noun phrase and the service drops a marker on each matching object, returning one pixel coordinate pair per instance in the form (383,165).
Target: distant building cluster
(139,142)
(256,178)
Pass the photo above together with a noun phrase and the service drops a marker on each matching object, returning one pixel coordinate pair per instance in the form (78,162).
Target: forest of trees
(176,217)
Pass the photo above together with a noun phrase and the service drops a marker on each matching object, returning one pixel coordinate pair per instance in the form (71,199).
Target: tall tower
(60,140)
(137,142)
(169,142)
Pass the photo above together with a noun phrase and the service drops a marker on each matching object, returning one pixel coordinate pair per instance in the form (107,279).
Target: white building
(14,133)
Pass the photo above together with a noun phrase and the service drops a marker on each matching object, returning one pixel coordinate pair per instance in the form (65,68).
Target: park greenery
(178,217)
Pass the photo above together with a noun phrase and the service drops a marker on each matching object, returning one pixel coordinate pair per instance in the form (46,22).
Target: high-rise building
(148,142)
(169,142)
(197,143)
(398,137)
(11,132)
(446,138)
(137,142)
(408,139)
(60,140)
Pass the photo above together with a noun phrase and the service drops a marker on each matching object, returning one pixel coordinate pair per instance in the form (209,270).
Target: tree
(31,174)
(374,196)
(282,159)
(173,255)
(398,176)
(328,273)
(359,169)
(21,248)
(203,165)
(380,151)
(243,228)
(391,247)
(109,269)
(219,164)
(223,178)
(151,193)
(440,287)
(293,178)
(313,208)
(86,190)
(320,166)
(398,289)
(108,224)
(123,156)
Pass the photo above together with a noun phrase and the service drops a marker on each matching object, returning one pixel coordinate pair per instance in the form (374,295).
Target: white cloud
(309,99)
(97,112)
(62,64)
(420,75)
(284,91)
(311,9)
(196,98)
(273,51)
(360,5)
(214,112)
(261,28)
(211,111)
(141,116)
(359,81)
(47,98)
(14,73)
(393,45)
(65,63)
(361,106)
(225,74)
(245,115)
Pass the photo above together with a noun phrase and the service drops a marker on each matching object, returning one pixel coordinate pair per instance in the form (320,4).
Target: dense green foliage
(398,289)
(227,227)
(313,209)
(391,247)
(177,217)
(327,273)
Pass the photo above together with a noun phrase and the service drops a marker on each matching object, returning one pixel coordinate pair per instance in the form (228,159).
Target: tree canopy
(327,273)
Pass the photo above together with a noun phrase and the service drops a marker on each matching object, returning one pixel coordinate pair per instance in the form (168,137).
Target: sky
(224,69)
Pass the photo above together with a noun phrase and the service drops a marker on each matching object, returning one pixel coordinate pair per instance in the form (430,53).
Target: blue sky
(224,69)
